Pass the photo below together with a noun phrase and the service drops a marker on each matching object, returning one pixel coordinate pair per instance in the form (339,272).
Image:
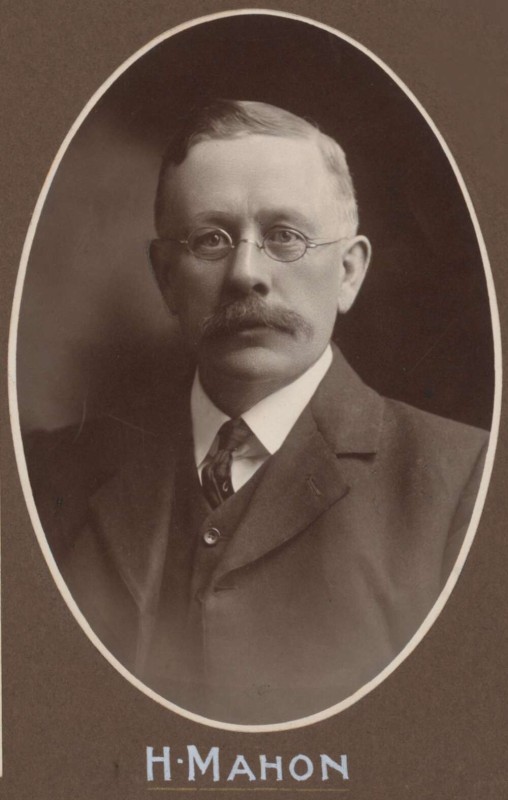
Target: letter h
(165,759)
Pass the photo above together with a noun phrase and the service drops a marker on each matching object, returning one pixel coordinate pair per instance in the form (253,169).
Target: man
(275,539)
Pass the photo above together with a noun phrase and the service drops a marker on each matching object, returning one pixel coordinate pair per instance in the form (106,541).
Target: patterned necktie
(216,475)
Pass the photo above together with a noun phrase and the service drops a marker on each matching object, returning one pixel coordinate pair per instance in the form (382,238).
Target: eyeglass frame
(309,243)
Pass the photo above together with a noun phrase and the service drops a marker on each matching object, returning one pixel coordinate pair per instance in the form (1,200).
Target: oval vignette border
(14,411)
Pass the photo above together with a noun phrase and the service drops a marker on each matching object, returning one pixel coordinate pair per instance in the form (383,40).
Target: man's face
(247,187)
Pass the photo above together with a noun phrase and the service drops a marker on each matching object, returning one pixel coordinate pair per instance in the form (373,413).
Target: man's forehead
(252,163)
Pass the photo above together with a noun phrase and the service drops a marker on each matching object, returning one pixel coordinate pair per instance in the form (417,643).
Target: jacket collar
(347,413)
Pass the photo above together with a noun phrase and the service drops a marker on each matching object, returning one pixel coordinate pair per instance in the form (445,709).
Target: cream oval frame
(14,413)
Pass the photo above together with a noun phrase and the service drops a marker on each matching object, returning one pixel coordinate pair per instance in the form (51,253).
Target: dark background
(72,726)
(93,331)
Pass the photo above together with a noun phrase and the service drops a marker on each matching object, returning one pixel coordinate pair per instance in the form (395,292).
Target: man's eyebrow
(285,214)
(266,217)
(292,217)
(211,217)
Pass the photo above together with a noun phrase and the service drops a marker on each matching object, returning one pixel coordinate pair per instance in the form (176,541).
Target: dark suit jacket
(326,568)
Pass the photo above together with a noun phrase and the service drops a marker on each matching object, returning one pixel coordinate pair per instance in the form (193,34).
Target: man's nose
(249,268)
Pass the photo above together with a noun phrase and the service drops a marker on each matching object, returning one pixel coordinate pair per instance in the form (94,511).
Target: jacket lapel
(305,478)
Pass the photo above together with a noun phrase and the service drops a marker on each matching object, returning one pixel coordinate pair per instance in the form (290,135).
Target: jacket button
(211,537)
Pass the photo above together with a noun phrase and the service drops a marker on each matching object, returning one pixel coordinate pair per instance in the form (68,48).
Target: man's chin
(246,359)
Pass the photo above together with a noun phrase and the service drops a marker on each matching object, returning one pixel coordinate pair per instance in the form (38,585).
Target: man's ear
(355,262)
(160,261)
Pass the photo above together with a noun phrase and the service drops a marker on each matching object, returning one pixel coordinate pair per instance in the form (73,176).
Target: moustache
(251,312)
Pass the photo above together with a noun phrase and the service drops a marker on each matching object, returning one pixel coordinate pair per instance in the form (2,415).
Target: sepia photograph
(255,371)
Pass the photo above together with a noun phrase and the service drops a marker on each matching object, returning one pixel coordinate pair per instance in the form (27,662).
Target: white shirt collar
(270,420)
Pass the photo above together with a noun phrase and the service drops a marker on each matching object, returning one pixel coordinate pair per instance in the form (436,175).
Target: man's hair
(232,119)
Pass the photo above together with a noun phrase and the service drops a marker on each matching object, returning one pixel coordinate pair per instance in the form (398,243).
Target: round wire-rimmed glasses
(279,244)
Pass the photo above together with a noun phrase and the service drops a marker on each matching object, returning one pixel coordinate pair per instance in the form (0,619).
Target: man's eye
(283,236)
(209,239)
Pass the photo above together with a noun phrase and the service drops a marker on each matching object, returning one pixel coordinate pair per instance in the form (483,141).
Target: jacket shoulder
(67,466)
(446,439)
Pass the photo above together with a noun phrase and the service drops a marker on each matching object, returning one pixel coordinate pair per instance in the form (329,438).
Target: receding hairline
(225,120)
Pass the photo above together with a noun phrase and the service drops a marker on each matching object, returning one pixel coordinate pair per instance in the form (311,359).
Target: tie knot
(232,434)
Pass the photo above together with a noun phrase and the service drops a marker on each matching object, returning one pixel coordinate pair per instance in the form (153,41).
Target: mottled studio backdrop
(94,334)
